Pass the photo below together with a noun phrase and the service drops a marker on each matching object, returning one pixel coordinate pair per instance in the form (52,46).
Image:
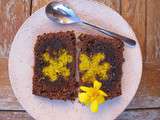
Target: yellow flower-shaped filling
(91,67)
(57,67)
(92,96)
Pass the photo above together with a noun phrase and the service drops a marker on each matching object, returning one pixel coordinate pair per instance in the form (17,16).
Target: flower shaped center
(57,67)
(92,67)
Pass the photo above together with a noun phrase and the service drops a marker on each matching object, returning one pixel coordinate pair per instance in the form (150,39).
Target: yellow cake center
(57,67)
(91,67)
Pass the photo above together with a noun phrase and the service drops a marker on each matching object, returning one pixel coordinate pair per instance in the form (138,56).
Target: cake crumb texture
(65,87)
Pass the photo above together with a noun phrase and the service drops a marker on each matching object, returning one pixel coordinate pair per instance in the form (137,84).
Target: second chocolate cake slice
(101,59)
(55,66)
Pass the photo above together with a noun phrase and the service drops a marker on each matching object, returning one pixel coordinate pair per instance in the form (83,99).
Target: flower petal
(83,98)
(97,85)
(94,106)
(102,93)
(84,88)
(100,99)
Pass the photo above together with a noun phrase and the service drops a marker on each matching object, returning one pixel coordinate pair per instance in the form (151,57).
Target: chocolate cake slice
(101,59)
(55,66)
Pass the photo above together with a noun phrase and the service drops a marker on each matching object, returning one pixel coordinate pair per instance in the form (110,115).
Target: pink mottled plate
(21,61)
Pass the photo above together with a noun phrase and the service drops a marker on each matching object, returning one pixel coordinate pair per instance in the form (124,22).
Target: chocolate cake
(108,53)
(55,66)
(100,59)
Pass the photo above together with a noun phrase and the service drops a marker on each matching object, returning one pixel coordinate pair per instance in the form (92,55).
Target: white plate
(21,61)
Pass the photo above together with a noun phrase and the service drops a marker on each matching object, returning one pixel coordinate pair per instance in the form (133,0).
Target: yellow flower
(92,96)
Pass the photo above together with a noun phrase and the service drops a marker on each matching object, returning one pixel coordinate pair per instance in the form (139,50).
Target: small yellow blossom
(92,67)
(92,96)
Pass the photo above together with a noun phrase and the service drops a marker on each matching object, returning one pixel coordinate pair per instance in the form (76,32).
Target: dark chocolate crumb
(61,88)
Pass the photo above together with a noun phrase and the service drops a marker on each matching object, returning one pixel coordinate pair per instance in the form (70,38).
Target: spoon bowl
(61,13)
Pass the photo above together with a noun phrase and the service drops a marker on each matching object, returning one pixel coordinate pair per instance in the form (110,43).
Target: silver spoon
(63,14)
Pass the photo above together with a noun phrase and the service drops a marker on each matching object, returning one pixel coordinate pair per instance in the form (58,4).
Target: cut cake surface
(53,44)
(113,51)
(90,45)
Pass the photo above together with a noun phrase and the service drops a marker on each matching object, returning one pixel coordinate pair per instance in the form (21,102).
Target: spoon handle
(127,40)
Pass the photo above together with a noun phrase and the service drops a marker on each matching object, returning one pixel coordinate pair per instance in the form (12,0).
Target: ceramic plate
(21,61)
